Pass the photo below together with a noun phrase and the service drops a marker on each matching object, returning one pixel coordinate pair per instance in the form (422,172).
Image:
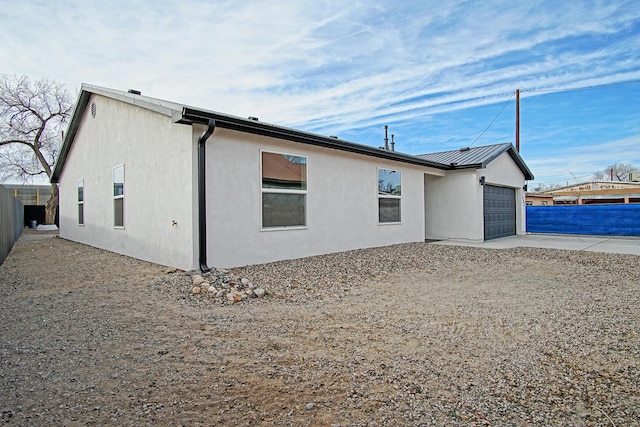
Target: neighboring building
(539,199)
(188,187)
(34,198)
(597,192)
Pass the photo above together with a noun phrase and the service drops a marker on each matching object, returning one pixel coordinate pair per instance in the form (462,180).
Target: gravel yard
(412,334)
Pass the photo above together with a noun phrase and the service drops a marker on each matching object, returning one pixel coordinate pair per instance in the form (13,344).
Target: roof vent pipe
(202,196)
(386,139)
(393,144)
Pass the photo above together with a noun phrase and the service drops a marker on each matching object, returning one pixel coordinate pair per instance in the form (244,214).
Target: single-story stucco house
(192,188)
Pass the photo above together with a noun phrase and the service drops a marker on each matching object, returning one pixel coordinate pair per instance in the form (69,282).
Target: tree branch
(15,141)
(31,115)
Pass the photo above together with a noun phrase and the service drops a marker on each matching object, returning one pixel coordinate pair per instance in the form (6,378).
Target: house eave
(515,156)
(72,130)
(479,158)
(158,106)
(189,115)
(192,116)
(528,175)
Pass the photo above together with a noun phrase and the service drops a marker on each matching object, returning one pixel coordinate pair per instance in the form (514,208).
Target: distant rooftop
(30,194)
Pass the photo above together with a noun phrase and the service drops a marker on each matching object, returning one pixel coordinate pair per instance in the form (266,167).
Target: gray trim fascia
(70,134)
(506,147)
(190,115)
(528,175)
(196,116)
(159,106)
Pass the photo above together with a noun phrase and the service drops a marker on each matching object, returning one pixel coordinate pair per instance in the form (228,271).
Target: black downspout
(202,195)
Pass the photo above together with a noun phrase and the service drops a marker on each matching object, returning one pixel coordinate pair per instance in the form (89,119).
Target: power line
(550,90)
(563,179)
(494,119)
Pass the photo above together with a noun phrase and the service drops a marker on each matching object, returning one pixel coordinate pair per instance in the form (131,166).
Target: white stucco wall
(454,204)
(158,159)
(161,211)
(453,207)
(342,202)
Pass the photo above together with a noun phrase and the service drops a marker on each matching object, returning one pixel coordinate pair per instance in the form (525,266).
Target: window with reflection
(389,195)
(284,190)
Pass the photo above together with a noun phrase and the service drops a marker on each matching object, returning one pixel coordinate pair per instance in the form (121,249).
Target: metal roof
(478,157)
(192,115)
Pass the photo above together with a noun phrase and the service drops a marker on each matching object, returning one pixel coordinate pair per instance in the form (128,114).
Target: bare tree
(615,172)
(32,115)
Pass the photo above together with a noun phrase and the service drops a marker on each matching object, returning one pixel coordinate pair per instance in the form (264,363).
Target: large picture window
(81,202)
(118,196)
(284,190)
(389,195)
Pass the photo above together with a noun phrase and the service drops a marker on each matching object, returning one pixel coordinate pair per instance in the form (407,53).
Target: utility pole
(518,120)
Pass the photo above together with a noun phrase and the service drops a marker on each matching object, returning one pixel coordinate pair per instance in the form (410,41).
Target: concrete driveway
(611,244)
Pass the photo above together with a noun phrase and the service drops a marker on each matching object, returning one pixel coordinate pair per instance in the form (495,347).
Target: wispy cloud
(586,160)
(438,71)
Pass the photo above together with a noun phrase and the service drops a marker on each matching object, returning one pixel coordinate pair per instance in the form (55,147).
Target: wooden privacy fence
(601,220)
(11,221)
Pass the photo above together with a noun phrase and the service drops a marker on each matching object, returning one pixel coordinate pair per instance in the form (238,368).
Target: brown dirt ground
(90,337)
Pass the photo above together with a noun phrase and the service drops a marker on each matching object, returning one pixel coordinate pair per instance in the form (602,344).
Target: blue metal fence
(602,220)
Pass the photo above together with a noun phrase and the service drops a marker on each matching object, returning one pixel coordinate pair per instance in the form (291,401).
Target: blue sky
(437,72)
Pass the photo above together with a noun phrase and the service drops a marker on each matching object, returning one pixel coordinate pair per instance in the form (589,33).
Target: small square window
(388,210)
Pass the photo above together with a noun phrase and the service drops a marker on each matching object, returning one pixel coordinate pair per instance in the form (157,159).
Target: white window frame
(388,196)
(80,202)
(284,191)
(119,196)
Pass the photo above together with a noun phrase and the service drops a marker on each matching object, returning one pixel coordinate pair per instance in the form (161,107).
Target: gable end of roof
(159,106)
(478,157)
